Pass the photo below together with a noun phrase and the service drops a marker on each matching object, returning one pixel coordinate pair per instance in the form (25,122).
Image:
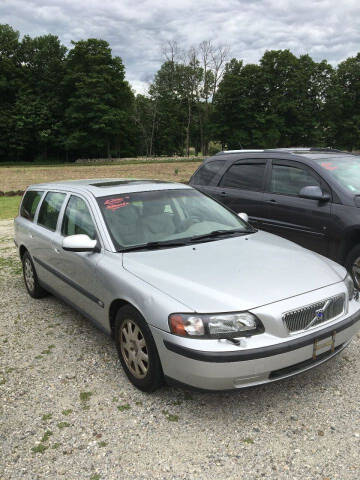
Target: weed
(248,440)
(48,350)
(46,436)
(85,396)
(55,445)
(124,407)
(67,412)
(170,416)
(96,476)
(46,417)
(39,448)
(102,444)
(62,425)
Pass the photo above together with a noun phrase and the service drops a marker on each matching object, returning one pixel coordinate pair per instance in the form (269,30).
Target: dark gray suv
(310,196)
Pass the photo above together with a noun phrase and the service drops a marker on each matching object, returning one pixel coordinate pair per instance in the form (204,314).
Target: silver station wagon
(191,293)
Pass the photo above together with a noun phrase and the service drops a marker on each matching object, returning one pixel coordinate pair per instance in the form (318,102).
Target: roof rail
(225,152)
(328,149)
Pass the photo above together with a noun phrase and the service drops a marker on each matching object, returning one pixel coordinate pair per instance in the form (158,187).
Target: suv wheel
(31,280)
(137,350)
(353,265)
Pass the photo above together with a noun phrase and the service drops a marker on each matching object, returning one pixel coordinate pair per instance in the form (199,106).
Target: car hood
(239,273)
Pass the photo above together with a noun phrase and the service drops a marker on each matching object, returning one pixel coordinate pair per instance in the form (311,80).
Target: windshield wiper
(155,245)
(220,233)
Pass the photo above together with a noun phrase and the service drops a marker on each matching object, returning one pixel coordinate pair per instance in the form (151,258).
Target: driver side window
(288,180)
(77,219)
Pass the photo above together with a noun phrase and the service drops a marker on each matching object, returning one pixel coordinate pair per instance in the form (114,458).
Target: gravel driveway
(68,411)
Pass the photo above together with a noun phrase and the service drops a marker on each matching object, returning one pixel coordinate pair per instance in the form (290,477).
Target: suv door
(241,188)
(301,220)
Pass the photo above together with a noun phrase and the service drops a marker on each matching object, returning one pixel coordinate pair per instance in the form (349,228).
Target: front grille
(315,314)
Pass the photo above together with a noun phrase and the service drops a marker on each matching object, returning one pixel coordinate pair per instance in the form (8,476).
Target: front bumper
(242,367)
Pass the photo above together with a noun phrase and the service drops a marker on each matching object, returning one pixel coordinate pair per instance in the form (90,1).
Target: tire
(353,265)
(30,277)
(137,350)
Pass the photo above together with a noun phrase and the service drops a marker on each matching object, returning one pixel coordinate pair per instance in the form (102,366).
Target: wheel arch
(22,250)
(113,309)
(351,239)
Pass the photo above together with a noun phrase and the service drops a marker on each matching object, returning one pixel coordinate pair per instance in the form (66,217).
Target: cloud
(137,30)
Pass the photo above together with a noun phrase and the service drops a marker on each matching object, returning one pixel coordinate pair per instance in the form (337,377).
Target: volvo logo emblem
(319,314)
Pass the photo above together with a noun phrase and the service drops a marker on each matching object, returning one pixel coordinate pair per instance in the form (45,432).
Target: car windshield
(166,217)
(346,170)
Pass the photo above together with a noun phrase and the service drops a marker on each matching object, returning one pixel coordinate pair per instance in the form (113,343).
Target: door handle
(56,250)
(223,194)
(31,235)
(272,201)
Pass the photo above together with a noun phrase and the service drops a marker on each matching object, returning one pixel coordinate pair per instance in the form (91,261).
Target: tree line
(62,104)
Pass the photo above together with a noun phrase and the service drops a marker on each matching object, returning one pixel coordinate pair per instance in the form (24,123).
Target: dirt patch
(18,178)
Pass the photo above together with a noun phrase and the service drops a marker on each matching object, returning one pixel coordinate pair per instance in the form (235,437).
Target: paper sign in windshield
(115,203)
(328,166)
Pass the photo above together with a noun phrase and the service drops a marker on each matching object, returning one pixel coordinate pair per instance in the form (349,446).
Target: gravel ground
(68,411)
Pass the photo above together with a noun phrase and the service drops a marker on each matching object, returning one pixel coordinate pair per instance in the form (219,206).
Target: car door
(43,235)
(241,188)
(301,220)
(77,270)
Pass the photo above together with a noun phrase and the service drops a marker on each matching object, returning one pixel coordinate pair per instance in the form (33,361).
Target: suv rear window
(29,204)
(207,172)
(248,176)
(50,209)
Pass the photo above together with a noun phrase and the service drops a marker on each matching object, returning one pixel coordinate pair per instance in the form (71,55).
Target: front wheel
(137,350)
(353,265)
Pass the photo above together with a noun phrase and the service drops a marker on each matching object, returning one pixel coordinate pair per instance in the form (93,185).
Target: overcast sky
(137,29)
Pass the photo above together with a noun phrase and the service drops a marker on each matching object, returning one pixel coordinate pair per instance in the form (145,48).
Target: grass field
(18,178)
(9,207)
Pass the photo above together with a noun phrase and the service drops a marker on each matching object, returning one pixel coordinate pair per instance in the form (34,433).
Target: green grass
(9,207)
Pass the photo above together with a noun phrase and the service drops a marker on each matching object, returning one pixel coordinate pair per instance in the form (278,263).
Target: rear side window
(50,209)
(29,204)
(77,219)
(207,172)
(247,176)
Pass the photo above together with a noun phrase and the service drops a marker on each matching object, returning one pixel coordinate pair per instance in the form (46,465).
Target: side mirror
(244,216)
(79,243)
(314,193)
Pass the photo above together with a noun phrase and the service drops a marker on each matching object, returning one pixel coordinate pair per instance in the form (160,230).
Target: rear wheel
(353,265)
(137,350)
(30,277)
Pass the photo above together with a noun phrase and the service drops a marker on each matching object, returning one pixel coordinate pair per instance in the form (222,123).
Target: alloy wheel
(356,272)
(29,275)
(134,349)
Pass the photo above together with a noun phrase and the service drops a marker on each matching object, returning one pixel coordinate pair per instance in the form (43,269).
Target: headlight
(349,285)
(217,325)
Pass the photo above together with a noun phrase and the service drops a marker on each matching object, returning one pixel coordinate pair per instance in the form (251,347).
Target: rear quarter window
(248,176)
(207,172)
(29,204)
